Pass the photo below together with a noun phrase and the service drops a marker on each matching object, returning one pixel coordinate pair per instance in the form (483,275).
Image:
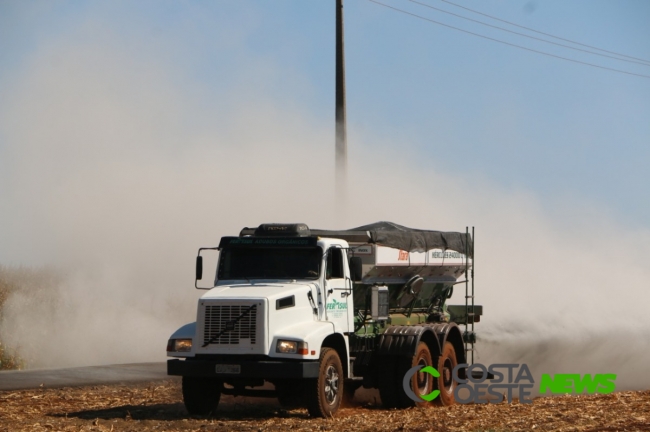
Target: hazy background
(133,133)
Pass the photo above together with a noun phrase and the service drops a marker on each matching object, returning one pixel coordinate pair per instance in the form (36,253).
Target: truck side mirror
(355,268)
(199,267)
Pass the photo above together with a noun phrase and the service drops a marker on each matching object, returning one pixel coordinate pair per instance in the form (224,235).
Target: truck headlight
(291,347)
(179,345)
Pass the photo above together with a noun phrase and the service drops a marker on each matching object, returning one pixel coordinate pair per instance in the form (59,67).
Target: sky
(464,104)
(132,133)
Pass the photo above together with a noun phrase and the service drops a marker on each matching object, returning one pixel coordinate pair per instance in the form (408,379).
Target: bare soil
(158,407)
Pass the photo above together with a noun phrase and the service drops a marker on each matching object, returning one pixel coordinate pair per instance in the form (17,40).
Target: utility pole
(341,157)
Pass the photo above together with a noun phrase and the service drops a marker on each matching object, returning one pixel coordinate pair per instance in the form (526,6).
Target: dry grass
(8,359)
(21,279)
(158,407)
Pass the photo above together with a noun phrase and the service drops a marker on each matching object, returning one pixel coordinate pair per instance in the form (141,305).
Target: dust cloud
(115,174)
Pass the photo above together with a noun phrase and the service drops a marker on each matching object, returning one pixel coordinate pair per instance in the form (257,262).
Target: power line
(507,43)
(525,35)
(541,32)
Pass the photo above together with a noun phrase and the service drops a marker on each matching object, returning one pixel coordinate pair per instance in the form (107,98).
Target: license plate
(227,369)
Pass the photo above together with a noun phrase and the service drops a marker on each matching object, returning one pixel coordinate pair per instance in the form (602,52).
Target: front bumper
(248,369)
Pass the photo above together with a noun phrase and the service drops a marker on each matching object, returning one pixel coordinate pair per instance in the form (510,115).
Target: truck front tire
(324,394)
(201,395)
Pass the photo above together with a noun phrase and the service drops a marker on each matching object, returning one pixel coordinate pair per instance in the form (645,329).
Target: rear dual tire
(421,382)
(445,383)
(392,370)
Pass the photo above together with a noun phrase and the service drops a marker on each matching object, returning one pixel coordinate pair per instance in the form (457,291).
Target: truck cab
(309,312)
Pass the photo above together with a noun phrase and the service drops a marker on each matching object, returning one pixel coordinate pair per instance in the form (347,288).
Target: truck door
(338,298)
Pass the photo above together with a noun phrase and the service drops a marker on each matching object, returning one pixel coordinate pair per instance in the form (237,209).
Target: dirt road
(157,406)
(83,376)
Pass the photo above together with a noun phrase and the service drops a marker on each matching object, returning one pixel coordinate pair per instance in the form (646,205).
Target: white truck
(319,313)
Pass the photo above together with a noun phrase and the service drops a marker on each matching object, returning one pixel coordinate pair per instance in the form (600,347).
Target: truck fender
(186,332)
(450,332)
(313,332)
(403,340)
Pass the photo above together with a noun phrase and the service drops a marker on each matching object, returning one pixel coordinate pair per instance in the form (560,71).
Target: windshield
(270,263)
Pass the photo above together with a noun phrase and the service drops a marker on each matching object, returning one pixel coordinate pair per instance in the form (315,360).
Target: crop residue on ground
(158,406)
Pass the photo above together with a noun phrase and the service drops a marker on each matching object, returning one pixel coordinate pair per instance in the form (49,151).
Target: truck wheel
(324,394)
(445,383)
(387,382)
(201,395)
(421,383)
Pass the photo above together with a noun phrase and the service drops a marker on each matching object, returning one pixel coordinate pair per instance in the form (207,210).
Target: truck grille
(229,320)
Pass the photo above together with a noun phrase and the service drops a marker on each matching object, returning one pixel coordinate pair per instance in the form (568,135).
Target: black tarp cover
(413,240)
